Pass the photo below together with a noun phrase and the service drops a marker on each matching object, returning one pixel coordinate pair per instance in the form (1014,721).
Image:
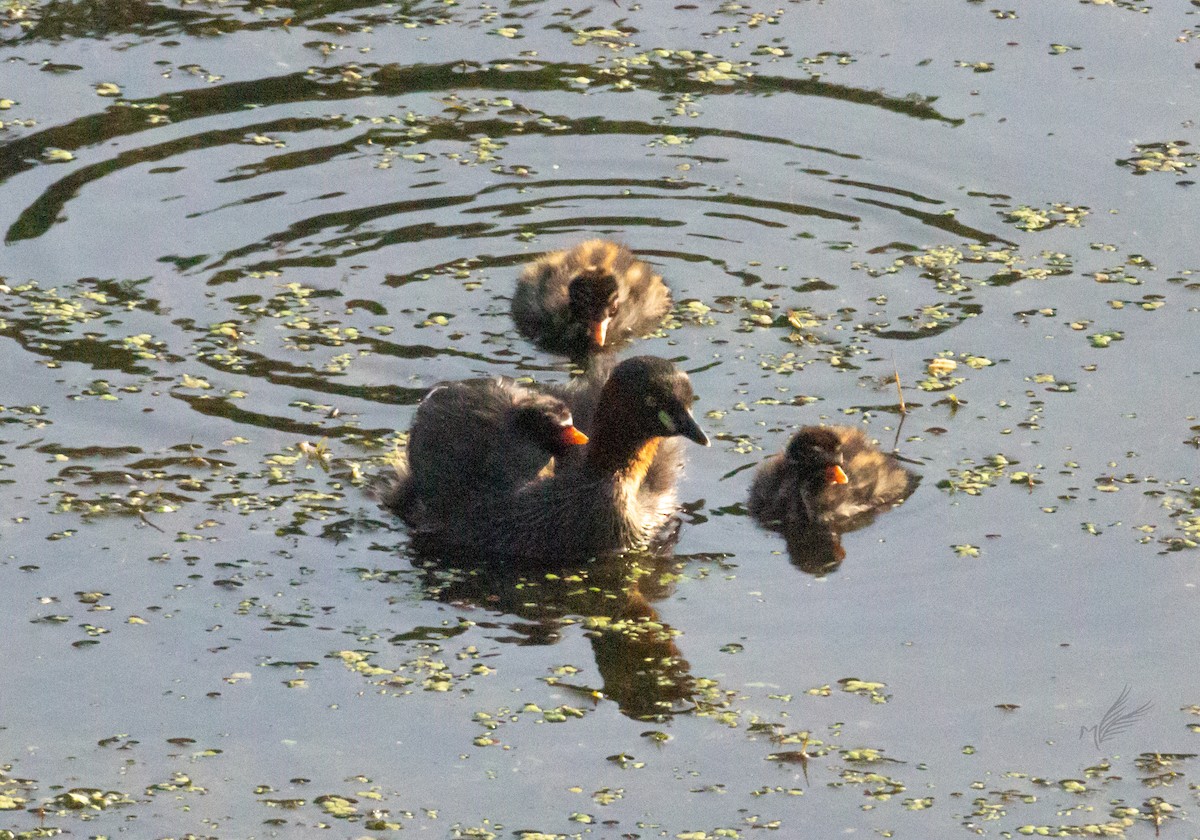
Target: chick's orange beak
(835,474)
(573,437)
(599,332)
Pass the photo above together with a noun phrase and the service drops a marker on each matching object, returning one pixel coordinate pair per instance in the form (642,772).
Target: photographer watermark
(1116,720)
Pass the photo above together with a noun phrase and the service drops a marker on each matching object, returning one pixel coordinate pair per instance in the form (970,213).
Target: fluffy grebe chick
(588,298)
(472,437)
(829,477)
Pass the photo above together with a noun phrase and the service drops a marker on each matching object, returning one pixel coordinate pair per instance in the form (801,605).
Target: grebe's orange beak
(835,474)
(600,332)
(572,436)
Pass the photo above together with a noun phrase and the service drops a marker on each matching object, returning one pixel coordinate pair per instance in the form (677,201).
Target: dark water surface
(242,239)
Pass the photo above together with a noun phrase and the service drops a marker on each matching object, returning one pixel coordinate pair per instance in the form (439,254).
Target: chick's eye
(648,400)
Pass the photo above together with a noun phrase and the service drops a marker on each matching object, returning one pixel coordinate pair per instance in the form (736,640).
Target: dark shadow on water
(640,665)
(817,549)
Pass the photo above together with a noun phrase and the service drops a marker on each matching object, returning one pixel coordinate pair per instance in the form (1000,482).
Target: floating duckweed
(876,785)
(338,807)
(1029,219)
(92,799)
(179,782)
(974,479)
(873,690)
(1116,275)
(940,367)
(1104,339)
(939,258)
(607,796)
(1167,157)
(671,140)
(561,714)
(189,381)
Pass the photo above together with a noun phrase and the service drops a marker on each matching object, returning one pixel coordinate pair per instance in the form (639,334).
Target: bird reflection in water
(640,665)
